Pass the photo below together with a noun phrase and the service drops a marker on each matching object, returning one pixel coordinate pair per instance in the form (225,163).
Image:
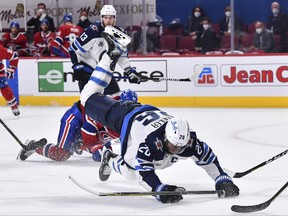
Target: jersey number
(149,117)
(144,150)
(83,36)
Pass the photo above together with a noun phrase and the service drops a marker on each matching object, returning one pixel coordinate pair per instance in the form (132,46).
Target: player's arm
(149,179)
(204,157)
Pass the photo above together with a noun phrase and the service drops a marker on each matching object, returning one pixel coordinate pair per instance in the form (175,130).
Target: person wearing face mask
(207,41)
(84,21)
(263,39)
(225,23)
(39,16)
(194,27)
(277,23)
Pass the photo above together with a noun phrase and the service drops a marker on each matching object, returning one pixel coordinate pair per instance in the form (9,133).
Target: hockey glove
(132,75)
(169,198)
(10,72)
(81,72)
(225,187)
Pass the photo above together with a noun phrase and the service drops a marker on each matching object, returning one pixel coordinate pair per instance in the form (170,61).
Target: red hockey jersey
(41,44)
(66,35)
(8,55)
(18,43)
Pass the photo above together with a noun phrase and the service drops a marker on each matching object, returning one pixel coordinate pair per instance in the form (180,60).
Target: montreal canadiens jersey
(41,44)
(8,55)
(65,36)
(17,43)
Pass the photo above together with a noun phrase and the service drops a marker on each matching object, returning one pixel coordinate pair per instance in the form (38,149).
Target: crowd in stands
(199,36)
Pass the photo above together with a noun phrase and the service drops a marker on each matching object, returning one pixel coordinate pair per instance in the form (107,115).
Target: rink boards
(216,81)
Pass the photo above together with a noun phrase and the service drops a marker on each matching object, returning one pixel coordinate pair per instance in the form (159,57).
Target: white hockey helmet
(177,132)
(108,10)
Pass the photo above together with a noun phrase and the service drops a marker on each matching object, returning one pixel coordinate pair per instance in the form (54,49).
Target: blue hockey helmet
(45,21)
(128,94)
(67,18)
(15,24)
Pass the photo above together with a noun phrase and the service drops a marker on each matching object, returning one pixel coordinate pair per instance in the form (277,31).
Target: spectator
(42,39)
(263,39)
(84,21)
(39,17)
(225,23)
(65,35)
(16,41)
(207,41)
(277,23)
(195,27)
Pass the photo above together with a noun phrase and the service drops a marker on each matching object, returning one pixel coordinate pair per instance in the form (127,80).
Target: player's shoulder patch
(94,27)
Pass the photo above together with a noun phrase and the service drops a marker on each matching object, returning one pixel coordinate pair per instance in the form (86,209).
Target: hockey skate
(105,170)
(114,50)
(31,146)
(15,110)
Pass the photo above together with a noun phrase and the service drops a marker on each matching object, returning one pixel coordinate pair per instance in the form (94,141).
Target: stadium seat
(246,41)
(225,43)
(251,28)
(167,43)
(174,31)
(186,45)
(277,43)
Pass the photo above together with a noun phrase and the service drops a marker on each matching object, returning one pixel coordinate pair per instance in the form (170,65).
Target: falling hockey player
(150,138)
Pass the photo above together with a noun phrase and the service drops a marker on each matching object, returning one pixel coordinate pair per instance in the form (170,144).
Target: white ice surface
(242,138)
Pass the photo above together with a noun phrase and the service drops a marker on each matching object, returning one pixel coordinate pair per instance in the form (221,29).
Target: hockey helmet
(15,24)
(128,94)
(177,132)
(45,21)
(108,10)
(67,18)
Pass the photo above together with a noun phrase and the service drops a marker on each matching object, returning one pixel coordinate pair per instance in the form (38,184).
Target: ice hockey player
(90,56)
(15,40)
(151,139)
(41,40)
(65,36)
(5,90)
(76,135)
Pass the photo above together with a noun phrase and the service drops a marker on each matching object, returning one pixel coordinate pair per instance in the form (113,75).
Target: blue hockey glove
(169,198)
(10,72)
(225,187)
(132,75)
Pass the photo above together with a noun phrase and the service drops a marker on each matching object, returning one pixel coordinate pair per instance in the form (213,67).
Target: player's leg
(112,161)
(108,111)
(8,94)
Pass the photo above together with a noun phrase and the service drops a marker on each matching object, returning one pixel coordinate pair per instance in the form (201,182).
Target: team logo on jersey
(159,144)
(101,44)
(207,77)
(94,28)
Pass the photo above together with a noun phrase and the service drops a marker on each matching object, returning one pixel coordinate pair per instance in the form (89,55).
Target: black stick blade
(251,208)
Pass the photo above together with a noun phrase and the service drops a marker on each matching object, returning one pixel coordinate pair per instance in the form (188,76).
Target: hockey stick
(198,70)
(241,174)
(139,193)
(257,207)
(12,134)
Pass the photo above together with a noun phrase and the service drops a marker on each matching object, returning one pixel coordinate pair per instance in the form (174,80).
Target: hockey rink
(241,138)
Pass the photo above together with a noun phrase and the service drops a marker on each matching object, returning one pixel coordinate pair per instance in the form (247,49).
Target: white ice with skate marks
(242,138)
